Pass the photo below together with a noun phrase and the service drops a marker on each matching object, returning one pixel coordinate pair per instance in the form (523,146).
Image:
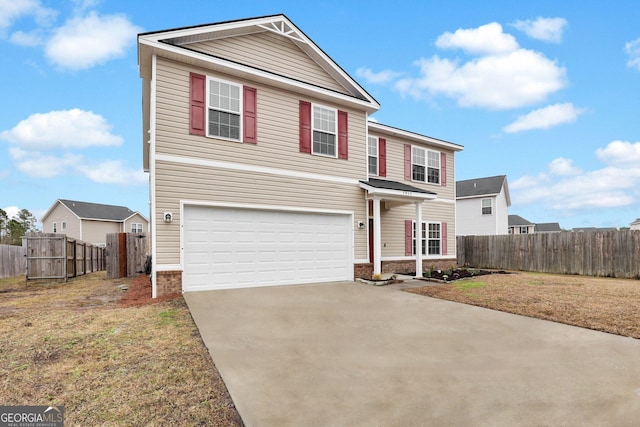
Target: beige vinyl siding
(175,182)
(270,52)
(277,124)
(61,214)
(138,219)
(395,166)
(392,235)
(96,231)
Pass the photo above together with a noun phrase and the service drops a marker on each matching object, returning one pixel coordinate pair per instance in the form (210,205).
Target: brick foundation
(365,271)
(168,282)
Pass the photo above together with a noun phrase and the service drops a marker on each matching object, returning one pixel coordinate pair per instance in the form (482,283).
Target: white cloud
(11,10)
(41,165)
(564,188)
(486,39)
(620,153)
(29,39)
(12,211)
(83,42)
(62,129)
(545,29)
(381,77)
(545,118)
(516,79)
(632,49)
(113,172)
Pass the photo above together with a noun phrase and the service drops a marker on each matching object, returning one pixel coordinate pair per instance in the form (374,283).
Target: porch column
(418,239)
(377,246)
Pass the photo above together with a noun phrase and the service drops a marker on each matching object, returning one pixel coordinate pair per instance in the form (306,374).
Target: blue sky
(545,92)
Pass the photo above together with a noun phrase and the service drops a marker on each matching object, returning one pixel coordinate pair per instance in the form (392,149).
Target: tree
(17,227)
(4,219)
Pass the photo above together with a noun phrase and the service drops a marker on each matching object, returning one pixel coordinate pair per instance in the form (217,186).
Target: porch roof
(393,189)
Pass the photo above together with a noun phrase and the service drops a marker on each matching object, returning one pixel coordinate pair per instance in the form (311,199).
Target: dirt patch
(110,356)
(604,304)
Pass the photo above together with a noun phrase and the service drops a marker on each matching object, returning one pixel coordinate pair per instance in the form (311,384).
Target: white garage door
(234,248)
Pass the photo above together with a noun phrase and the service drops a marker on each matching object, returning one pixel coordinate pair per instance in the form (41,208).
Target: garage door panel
(227,248)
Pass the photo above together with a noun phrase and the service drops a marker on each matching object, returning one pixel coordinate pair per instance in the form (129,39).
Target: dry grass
(603,304)
(111,357)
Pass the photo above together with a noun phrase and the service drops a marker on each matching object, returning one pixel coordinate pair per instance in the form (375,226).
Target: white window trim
(240,112)
(64,225)
(426,165)
(377,156)
(313,128)
(482,206)
(136,224)
(425,231)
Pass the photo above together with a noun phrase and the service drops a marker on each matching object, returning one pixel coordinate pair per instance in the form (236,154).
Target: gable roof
(517,220)
(95,211)
(547,227)
(174,43)
(482,187)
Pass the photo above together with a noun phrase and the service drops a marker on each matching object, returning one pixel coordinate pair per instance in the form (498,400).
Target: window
(430,240)
(136,227)
(224,107)
(55,227)
(373,155)
(324,131)
(487,207)
(64,225)
(425,165)
(524,230)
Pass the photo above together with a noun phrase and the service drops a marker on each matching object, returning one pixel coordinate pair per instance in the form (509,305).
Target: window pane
(418,173)
(433,176)
(324,143)
(373,166)
(224,124)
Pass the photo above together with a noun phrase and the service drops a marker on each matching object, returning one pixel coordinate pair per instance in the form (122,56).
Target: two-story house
(482,206)
(265,170)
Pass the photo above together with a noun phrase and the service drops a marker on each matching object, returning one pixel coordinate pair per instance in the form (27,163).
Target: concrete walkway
(349,354)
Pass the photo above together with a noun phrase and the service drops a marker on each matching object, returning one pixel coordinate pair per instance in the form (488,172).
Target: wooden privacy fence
(126,254)
(12,260)
(605,254)
(57,256)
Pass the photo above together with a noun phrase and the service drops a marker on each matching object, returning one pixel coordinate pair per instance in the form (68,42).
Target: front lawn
(111,357)
(603,304)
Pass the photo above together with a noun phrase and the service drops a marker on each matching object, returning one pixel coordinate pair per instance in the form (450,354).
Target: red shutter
(249,118)
(444,238)
(382,157)
(305,127)
(197,105)
(408,237)
(443,169)
(343,135)
(407,162)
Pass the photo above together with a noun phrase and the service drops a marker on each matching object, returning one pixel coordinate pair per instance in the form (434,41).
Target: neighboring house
(482,206)
(635,225)
(519,225)
(548,227)
(264,169)
(91,222)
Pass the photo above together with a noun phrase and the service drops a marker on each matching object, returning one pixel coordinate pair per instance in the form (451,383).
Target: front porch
(387,194)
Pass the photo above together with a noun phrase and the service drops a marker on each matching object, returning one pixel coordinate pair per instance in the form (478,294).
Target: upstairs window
(324,131)
(487,207)
(55,227)
(224,108)
(64,225)
(425,165)
(136,228)
(372,156)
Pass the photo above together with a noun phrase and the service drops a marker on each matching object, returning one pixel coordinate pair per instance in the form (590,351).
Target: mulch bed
(460,273)
(140,292)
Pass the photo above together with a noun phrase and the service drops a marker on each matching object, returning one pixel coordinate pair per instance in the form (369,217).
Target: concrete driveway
(349,354)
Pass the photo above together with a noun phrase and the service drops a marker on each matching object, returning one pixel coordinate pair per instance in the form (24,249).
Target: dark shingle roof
(394,185)
(548,227)
(480,186)
(97,211)
(515,220)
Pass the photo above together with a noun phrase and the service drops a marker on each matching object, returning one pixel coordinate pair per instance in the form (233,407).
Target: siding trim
(258,169)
